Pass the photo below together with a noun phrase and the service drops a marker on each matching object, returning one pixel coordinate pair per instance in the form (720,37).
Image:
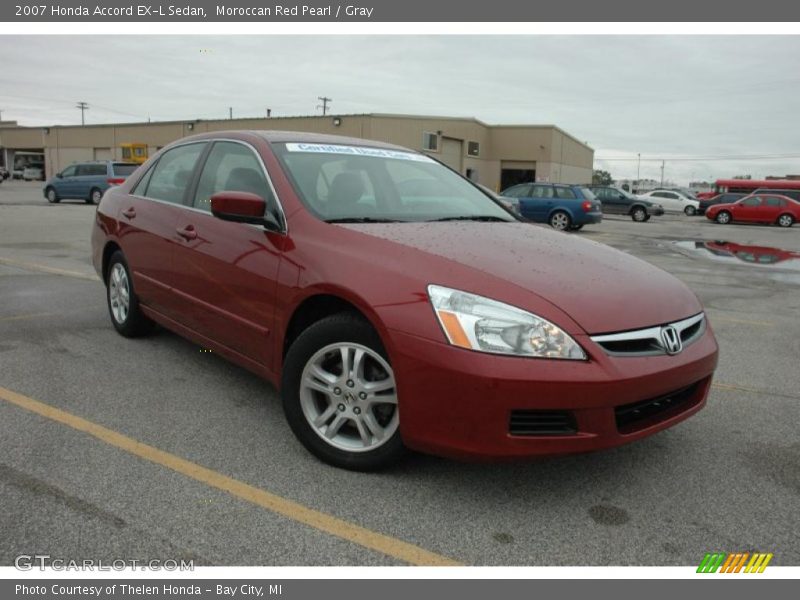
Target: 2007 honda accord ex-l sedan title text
(395,304)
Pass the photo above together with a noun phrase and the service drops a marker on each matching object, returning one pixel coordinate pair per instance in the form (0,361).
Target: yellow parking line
(742,321)
(334,526)
(45,269)
(741,388)
(27,316)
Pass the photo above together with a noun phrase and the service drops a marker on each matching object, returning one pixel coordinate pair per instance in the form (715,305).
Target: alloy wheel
(559,221)
(349,397)
(785,221)
(119,293)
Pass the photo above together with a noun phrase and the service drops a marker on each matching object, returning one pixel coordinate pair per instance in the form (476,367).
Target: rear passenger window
(89,170)
(773,201)
(518,191)
(140,188)
(543,191)
(565,193)
(173,173)
(231,167)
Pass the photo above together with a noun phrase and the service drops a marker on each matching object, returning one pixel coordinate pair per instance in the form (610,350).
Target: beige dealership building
(494,155)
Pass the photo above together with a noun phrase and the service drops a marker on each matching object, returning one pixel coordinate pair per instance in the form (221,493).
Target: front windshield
(357,183)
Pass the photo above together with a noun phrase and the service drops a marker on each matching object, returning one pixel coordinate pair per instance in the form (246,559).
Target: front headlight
(478,323)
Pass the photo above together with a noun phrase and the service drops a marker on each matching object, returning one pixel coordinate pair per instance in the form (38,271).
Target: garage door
(102,154)
(451,153)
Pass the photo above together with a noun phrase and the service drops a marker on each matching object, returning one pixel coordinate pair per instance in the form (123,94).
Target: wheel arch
(108,251)
(319,303)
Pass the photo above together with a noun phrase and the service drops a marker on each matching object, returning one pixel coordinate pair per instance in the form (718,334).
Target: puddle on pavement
(780,265)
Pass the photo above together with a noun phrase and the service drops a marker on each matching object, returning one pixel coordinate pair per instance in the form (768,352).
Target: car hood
(602,289)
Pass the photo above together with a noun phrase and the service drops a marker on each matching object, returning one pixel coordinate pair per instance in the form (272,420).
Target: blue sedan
(563,207)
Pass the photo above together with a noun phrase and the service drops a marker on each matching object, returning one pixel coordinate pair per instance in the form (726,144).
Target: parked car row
(569,207)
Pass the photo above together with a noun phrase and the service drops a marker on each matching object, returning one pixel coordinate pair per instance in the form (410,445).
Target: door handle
(187,233)
(130,213)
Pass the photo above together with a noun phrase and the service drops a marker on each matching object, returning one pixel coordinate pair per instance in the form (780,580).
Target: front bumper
(459,403)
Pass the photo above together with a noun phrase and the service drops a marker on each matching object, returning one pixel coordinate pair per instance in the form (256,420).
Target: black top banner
(459,11)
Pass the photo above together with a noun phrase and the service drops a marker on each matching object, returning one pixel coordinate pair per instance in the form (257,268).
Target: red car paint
(235,287)
(757,208)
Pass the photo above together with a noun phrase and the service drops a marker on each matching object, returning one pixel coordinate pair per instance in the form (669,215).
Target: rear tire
(123,305)
(328,397)
(785,220)
(94,196)
(560,220)
(52,196)
(723,217)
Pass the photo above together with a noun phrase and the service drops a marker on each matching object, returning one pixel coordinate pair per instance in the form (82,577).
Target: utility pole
(662,173)
(83,106)
(324,105)
(638,167)
(230,112)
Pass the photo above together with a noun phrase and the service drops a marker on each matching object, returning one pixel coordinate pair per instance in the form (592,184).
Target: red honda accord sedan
(395,304)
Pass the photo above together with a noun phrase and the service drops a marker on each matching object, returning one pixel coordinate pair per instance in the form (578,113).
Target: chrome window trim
(283,222)
(654,334)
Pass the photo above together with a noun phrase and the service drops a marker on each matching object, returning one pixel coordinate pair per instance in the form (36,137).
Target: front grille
(649,341)
(542,422)
(638,415)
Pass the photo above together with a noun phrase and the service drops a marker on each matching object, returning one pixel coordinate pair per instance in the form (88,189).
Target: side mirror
(243,207)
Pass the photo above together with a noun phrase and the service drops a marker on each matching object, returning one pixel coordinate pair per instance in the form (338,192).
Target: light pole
(638,167)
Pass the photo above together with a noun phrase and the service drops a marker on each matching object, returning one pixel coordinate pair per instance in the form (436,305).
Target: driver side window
(69,171)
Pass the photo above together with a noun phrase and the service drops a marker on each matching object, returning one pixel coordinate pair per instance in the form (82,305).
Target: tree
(600,177)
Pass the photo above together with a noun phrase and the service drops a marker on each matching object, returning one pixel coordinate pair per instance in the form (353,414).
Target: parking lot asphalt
(150,448)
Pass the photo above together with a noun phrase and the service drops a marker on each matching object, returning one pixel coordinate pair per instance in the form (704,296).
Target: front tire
(785,220)
(690,211)
(723,217)
(639,214)
(123,305)
(340,395)
(52,196)
(560,220)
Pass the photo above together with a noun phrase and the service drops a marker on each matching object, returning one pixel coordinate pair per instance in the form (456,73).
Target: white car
(33,172)
(673,201)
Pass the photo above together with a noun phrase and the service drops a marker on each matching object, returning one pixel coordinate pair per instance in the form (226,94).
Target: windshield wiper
(484,218)
(362,220)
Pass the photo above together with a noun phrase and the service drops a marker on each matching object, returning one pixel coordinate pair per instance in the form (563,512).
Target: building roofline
(13,126)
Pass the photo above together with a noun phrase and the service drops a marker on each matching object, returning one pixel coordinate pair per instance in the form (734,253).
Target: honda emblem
(671,340)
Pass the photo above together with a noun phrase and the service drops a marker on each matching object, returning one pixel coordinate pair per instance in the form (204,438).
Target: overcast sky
(662,96)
